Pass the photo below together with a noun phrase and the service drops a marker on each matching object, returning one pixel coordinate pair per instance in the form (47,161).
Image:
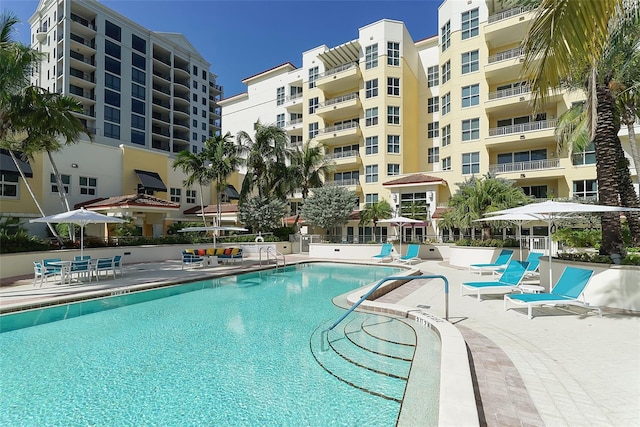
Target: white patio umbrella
(517,219)
(212,228)
(400,221)
(79,217)
(553,210)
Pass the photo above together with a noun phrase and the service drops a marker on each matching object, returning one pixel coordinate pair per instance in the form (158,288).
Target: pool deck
(558,369)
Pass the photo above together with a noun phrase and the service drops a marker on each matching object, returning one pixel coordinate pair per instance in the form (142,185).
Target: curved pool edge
(457,402)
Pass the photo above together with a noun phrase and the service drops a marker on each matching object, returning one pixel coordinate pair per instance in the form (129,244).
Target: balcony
(340,134)
(293,102)
(162,59)
(344,183)
(515,136)
(294,126)
(333,109)
(163,76)
(344,158)
(83,79)
(80,92)
(340,79)
(82,62)
(80,25)
(520,167)
(505,65)
(507,99)
(161,103)
(507,26)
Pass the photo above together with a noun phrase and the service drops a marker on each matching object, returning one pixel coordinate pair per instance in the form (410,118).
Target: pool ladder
(271,251)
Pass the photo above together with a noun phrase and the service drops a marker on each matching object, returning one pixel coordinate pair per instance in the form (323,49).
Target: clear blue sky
(242,38)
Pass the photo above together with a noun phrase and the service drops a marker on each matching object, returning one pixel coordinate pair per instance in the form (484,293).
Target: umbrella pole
(81,242)
(550,223)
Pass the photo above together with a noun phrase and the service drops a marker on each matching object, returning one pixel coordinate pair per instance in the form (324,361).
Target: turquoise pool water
(231,351)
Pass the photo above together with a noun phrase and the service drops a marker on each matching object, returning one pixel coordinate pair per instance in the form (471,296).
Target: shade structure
(400,221)
(517,219)
(79,217)
(212,228)
(553,210)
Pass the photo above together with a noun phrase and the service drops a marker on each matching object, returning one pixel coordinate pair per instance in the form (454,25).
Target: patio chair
(42,272)
(80,268)
(103,264)
(534,265)
(567,290)
(81,258)
(117,265)
(508,281)
(411,255)
(500,262)
(191,260)
(385,252)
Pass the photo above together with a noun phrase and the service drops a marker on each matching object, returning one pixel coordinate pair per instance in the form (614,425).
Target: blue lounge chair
(534,265)
(567,290)
(500,262)
(411,255)
(385,252)
(508,281)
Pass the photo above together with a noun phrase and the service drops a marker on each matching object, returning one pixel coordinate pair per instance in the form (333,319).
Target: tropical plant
(374,212)
(196,167)
(261,214)
(224,157)
(329,207)
(267,155)
(478,196)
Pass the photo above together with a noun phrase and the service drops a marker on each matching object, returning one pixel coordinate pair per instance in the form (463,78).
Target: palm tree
(309,166)
(267,155)
(577,41)
(196,166)
(374,212)
(224,158)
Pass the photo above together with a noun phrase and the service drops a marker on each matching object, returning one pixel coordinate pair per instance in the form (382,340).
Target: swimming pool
(231,351)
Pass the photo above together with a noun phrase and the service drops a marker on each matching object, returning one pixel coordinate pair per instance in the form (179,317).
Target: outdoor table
(65,270)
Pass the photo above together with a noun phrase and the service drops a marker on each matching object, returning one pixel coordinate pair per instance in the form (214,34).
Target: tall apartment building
(145,96)
(406,121)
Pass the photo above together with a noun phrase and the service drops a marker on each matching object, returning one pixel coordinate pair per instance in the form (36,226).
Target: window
(279,120)
(280,95)
(191,196)
(470,24)
(371,88)
(446,135)
(393,53)
(446,72)
(111,114)
(445,36)
(371,173)
(194,97)
(138,106)
(88,186)
(112,30)
(371,56)
(586,157)
(371,116)
(393,115)
(194,136)
(433,130)
(138,91)
(433,155)
(470,95)
(393,86)
(587,188)
(313,105)
(176,193)
(433,105)
(195,70)
(204,125)
(393,143)
(470,129)
(194,109)
(138,61)
(446,164)
(138,76)
(471,163)
(111,130)
(446,103)
(313,76)
(112,49)
(112,98)
(137,122)
(346,178)
(371,145)
(66,183)
(393,169)
(112,65)
(371,198)
(137,137)
(138,44)
(313,130)
(470,61)
(433,76)
(296,139)
(522,156)
(537,191)
(112,81)
(9,185)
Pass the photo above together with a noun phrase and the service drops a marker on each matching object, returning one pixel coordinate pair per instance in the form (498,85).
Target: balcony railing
(506,93)
(166,61)
(80,57)
(524,127)
(80,20)
(162,89)
(507,54)
(338,69)
(82,40)
(339,99)
(293,97)
(341,127)
(525,166)
(344,182)
(293,122)
(344,154)
(505,14)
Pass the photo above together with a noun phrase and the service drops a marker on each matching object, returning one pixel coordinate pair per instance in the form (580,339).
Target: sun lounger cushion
(188,251)
(211,251)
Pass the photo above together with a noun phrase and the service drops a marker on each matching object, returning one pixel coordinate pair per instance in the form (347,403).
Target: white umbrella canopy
(552,210)
(79,217)
(517,219)
(400,221)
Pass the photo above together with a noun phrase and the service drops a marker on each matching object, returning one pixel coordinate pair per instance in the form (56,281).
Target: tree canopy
(329,206)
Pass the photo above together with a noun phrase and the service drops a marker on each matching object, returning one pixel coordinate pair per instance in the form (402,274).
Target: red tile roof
(416,178)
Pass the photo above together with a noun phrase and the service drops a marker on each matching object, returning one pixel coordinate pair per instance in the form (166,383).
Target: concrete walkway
(558,369)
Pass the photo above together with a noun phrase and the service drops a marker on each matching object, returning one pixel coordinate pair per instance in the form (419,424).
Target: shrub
(20,241)
(490,243)
(578,238)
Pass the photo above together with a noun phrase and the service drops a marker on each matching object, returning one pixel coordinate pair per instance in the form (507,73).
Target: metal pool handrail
(408,278)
